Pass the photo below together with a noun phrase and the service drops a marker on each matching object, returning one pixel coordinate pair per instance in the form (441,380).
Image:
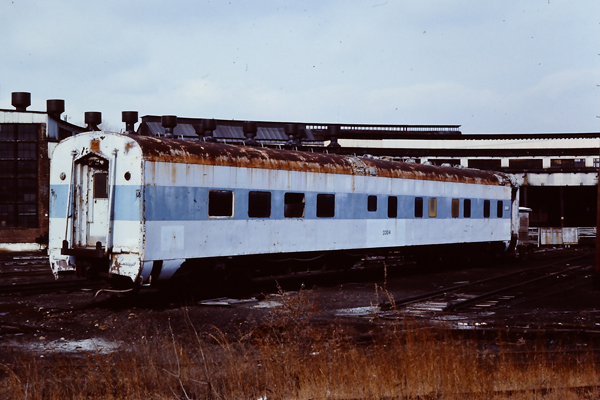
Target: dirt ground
(82,322)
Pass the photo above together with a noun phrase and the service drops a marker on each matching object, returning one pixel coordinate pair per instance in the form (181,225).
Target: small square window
(28,215)
(26,190)
(8,150)
(325,205)
(259,204)
(27,132)
(220,203)
(8,167)
(26,168)
(26,150)
(8,190)
(7,132)
(293,205)
(7,215)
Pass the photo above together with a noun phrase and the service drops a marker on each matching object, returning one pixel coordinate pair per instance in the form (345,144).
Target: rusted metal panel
(558,236)
(550,236)
(181,151)
(570,235)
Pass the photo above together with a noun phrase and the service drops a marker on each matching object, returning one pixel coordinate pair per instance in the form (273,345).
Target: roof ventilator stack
(93,119)
(208,128)
(291,130)
(333,131)
(55,107)
(21,100)
(169,122)
(250,130)
(130,118)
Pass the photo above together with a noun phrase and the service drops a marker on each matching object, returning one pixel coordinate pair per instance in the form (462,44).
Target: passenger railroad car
(141,208)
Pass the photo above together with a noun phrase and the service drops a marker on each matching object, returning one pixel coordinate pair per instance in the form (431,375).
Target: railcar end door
(91,202)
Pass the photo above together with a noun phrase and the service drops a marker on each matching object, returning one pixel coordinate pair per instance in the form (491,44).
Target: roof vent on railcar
(130,118)
(93,119)
(169,122)
(250,130)
(55,107)
(21,100)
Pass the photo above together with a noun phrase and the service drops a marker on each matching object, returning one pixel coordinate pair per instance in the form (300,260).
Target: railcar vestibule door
(91,201)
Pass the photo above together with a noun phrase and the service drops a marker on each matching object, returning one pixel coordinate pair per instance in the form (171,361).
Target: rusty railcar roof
(189,152)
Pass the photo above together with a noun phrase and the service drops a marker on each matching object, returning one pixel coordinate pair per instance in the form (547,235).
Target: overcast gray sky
(490,66)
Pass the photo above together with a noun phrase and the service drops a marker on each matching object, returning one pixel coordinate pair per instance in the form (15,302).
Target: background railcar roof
(190,152)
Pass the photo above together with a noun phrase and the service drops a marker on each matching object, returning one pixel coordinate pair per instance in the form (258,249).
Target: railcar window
(293,205)
(392,207)
(499,209)
(432,207)
(259,204)
(101,185)
(372,203)
(467,208)
(455,208)
(486,209)
(325,205)
(220,203)
(418,207)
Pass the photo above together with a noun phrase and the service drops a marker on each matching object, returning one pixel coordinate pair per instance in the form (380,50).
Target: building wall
(26,140)
(24,168)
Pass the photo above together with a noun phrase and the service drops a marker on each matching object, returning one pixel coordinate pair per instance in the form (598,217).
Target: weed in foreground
(288,357)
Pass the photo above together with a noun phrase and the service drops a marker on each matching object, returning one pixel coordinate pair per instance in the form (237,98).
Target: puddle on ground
(226,302)
(94,345)
(268,304)
(367,311)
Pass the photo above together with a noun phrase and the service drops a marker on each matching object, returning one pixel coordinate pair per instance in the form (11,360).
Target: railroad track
(21,266)
(51,286)
(503,291)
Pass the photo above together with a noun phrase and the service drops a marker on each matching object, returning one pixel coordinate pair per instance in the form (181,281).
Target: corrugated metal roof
(229,130)
(185,130)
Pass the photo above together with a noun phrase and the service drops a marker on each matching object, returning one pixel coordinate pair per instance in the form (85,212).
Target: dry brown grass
(289,358)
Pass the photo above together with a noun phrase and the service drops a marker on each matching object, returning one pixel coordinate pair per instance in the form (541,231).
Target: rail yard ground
(339,336)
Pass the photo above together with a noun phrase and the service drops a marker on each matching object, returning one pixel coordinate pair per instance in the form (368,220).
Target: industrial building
(26,141)
(558,173)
